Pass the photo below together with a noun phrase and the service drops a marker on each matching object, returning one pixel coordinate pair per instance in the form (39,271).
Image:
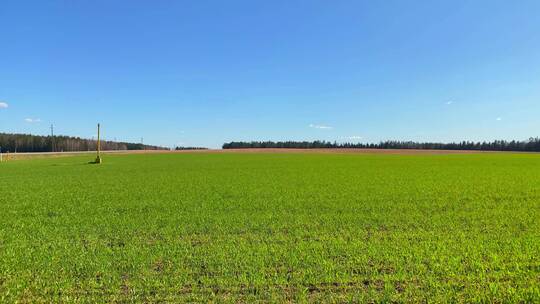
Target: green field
(272,227)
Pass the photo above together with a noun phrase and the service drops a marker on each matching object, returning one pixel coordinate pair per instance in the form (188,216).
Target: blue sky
(205,72)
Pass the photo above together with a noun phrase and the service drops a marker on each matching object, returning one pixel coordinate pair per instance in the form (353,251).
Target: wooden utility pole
(98,158)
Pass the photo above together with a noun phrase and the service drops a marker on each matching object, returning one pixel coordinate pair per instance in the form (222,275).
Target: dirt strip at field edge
(19,156)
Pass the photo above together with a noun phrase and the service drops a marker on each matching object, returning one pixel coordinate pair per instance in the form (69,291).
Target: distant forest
(36,143)
(532,145)
(190,148)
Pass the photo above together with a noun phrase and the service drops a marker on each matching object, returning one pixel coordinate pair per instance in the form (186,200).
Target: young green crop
(271,227)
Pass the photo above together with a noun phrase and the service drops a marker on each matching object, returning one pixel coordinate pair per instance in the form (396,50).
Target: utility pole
(98,158)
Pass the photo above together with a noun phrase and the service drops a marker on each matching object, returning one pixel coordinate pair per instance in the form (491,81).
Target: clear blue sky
(205,72)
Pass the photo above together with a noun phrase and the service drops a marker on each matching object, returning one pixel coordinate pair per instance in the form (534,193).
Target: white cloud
(32,120)
(449,102)
(354,137)
(499,118)
(324,127)
(3,105)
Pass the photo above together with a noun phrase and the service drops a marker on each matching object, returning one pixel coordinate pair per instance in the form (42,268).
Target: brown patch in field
(124,287)
(19,156)
(352,151)
(158,265)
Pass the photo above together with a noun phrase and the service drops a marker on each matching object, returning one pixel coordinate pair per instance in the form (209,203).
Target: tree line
(531,145)
(36,143)
(190,148)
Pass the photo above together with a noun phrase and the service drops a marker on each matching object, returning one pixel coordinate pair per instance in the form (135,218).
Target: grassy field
(271,227)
